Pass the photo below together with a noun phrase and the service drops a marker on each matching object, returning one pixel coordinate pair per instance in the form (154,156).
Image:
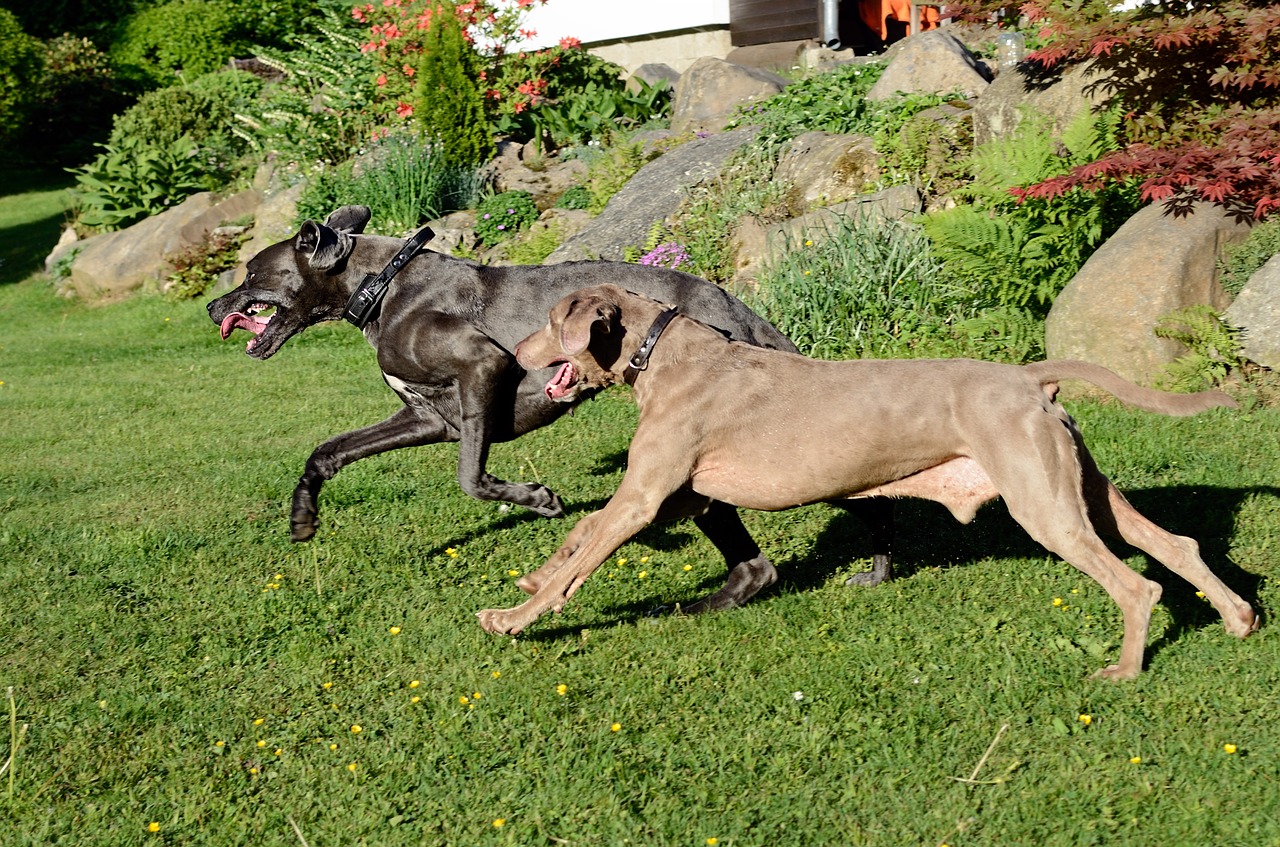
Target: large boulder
(823,168)
(276,220)
(1059,96)
(711,90)
(1155,264)
(1256,312)
(655,192)
(110,266)
(933,62)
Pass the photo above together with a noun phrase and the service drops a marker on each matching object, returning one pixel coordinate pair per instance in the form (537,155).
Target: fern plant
(1213,349)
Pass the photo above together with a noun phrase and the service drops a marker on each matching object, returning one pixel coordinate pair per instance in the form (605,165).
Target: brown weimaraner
(766,429)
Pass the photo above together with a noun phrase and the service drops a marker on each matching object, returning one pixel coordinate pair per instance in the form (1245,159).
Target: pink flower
(527,33)
(408,70)
(404,110)
(358,14)
(570,43)
(382,79)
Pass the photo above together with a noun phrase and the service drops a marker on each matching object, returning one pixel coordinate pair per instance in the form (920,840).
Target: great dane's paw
(867,579)
(302,530)
(545,502)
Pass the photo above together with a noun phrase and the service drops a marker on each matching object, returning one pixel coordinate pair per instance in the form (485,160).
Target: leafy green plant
(574,197)
(74,72)
(180,39)
(501,216)
(534,246)
(609,170)
(198,267)
(403,179)
(833,102)
(1213,349)
(133,180)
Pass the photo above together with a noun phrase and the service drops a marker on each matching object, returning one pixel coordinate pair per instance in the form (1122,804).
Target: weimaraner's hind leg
(1114,515)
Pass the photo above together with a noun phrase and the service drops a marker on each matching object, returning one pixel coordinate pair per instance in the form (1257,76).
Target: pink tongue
(561,383)
(237,320)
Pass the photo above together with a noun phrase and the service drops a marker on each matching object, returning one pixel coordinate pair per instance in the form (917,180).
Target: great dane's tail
(1049,373)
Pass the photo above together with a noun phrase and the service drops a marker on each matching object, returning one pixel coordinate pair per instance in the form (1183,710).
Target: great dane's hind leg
(1114,515)
(403,429)
(749,570)
(876,513)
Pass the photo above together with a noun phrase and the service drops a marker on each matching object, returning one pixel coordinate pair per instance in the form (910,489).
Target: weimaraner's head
(585,336)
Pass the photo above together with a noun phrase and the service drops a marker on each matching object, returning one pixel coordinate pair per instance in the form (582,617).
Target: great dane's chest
(424,399)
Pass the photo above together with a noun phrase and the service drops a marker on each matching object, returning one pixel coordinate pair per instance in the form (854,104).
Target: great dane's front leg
(406,428)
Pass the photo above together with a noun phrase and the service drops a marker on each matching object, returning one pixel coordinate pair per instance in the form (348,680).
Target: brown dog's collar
(366,302)
(640,359)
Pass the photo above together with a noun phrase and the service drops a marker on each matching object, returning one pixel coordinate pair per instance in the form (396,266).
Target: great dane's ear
(323,246)
(352,219)
(584,315)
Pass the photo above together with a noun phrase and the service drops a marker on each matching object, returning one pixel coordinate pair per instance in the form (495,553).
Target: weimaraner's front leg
(593,540)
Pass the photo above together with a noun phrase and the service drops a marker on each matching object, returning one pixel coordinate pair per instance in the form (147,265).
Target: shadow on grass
(928,537)
(26,245)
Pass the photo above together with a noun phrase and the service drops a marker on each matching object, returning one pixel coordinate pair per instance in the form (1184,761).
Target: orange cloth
(874,13)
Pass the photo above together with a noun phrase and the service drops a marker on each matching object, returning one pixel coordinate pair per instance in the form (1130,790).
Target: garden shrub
(198,267)
(1241,260)
(181,39)
(449,103)
(75,71)
(21,66)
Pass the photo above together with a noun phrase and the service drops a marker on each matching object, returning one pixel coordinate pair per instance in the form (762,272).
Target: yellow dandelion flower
(1136,760)
(279,751)
(562,689)
(154,826)
(616,727)
(644,560)
(464,699)
(415,699)
(414,683)
(253,771)
(642,574)
(326,686)
(1200,594)
(1057,601)
(333,747)
(259,721)
(262,743)
(688,567)
(1229,748)
(219,744)
(357,728)
(450,552)
(499,822)
(621,561)
(496,674)
(713,841)
(475,695)
(395,630)
(513,572)
(1086,719)
(807,243)
(353,767)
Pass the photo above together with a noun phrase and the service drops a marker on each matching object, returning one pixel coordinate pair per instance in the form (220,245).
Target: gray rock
(1060,97)
(823,168)
(933,62)
(111,265)
(655,192)
(711,90)
(276,220)
(1256,312)
(653,72)
(1154,264)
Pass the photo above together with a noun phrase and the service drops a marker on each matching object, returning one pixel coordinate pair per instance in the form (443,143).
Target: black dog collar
(366,303)
(640,360)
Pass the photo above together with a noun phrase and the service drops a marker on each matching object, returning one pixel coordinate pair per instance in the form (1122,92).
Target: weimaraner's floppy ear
(324,247)
(583,315)
(352,219)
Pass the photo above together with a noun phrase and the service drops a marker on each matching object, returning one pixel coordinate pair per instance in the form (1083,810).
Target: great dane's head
(292,284)
(590,334)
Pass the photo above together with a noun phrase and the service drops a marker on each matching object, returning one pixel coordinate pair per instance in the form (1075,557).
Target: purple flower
(486,216)
(502,226)
(511,211)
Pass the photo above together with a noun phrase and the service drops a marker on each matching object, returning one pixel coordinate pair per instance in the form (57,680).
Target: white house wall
(601,22)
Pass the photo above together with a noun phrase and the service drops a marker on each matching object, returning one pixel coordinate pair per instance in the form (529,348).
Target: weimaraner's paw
(499,621)
(1116,673)
(1245,623)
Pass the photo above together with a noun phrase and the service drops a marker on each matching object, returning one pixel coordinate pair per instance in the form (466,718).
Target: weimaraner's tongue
(239,320)
(560,384)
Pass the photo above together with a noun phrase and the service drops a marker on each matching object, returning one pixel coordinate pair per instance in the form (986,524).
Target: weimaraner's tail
(1052,371)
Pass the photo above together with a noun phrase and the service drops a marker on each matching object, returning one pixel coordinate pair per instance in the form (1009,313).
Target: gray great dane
(444,330)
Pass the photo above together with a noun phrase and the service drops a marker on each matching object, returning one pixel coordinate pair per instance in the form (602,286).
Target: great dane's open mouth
(252,319)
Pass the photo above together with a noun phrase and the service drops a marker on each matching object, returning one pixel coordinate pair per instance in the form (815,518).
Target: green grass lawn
(173,659)
(33,204)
